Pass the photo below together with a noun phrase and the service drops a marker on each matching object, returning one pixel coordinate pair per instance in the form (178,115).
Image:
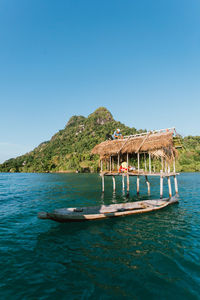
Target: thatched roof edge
(152,143)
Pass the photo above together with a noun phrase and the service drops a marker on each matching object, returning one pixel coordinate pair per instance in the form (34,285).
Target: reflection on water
(149,256)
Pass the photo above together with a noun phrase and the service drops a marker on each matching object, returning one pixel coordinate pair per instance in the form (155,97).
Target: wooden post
(176,184)
(165,166)
(148,184)
(161,187)
(162,163)
(154,169)
(169,186)
(174,165)
(101,166)
(127,177)
(145,163)
(114,185)
(168,169)
(149,162)
(123,185)
(110,164)
(138,158)
(113,164)
(138,184)
(102,177)
(118,163)
(127,162)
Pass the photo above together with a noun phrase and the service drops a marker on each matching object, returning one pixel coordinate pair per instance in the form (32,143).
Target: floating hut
(154,153)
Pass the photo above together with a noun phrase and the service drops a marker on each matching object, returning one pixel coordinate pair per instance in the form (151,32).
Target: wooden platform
(106,211)
(136,173)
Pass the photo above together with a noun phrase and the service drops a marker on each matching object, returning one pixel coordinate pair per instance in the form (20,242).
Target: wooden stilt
(168,169)
(138,158)
(145,163)
(127,177)
(113,163)
(102,177)
(161,187)
(174,165)
(149,162)
(101,166)
(148,184)
(176,184)
(169,186)
(118,163)
(162,163)
(114,185)
(123,185)
(138,184)
(127,162)
(110,164)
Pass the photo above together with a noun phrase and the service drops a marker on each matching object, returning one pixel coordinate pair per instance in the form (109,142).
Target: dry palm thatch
(158,144)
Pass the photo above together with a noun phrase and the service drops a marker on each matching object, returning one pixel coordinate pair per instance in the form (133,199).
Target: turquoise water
(150,256)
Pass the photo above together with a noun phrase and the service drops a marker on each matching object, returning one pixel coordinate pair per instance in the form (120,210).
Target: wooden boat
(106,211)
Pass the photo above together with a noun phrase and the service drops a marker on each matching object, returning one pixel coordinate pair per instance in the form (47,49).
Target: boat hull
(106,211)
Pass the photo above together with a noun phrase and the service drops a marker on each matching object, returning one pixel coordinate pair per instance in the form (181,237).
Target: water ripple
(152,256)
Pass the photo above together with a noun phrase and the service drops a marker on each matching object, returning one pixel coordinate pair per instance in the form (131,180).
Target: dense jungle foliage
(69,149)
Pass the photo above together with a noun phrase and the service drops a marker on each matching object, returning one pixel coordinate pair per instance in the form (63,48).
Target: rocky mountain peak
(101,116)
(75,120)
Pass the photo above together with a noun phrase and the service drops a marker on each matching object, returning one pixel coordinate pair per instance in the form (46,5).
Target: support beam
(148,184)
(127,177)
(102,178)
(174,165)
(127,162)
(168,169)
(138,159)
(110,164)
(138,184)
(123,184)
(169,186)
(101,166)
(165,166)
(118,162)
(114,185)
(113,163)
(161,163)
(176,184)
(161,187)
(149,162)
(145,163)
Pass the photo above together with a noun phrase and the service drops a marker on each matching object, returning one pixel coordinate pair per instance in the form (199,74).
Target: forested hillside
(69,149)
(189,155)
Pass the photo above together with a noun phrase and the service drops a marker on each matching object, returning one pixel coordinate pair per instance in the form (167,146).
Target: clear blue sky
(140,59)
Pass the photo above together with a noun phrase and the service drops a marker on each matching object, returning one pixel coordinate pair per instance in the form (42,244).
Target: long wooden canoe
(106,211)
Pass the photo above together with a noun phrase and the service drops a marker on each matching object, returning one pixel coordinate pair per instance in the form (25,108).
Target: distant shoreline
(74,172)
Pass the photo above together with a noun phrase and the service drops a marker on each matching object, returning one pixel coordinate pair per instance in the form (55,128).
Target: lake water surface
(150,256)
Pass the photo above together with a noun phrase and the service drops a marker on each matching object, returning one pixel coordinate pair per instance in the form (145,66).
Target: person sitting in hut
(123,167)
(117,134)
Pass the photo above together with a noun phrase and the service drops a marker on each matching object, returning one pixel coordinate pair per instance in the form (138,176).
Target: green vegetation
(189,155)
(69,149)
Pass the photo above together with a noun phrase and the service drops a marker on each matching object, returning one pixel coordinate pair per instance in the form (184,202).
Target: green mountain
(69,149)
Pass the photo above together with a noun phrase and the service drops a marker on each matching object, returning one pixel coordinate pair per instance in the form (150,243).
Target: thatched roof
(159,144)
